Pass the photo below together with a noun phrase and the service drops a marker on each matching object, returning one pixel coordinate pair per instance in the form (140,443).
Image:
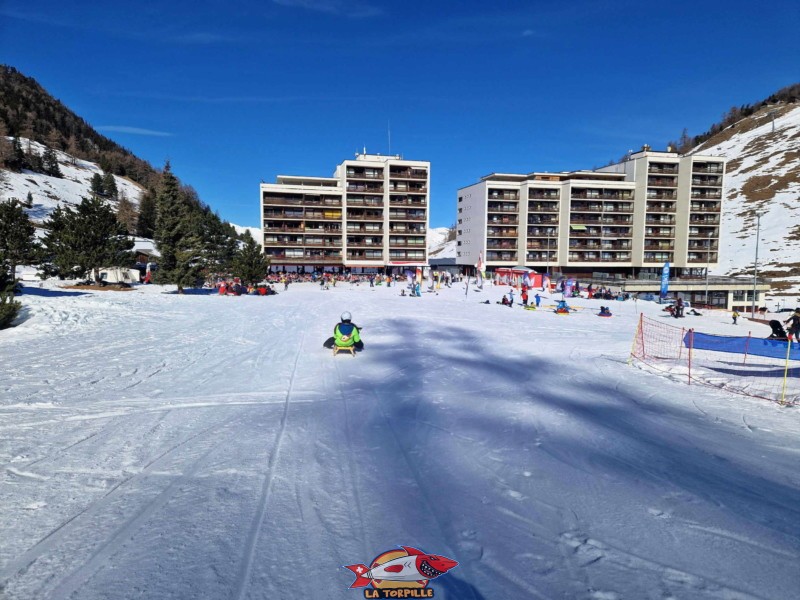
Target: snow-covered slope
(438,246)
(163,446)
(763,175)
(48,192)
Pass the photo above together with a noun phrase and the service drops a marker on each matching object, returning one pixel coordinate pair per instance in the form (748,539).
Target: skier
(735,315)
(538,299)
(345,334)
(794,327)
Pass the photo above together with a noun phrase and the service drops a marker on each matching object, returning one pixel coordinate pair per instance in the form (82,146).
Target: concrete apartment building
(623,220)
(371,216)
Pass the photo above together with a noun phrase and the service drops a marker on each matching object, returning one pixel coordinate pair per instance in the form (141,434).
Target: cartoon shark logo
(408,567)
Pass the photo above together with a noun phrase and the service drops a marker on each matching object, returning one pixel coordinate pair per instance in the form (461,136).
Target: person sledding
(794,325)
(345,335)
(562,308)
(604,312)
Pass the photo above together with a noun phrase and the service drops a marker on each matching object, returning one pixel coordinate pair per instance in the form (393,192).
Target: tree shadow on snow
(49,292)
(604,430)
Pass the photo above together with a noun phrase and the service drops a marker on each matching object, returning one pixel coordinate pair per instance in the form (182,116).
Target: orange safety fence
(768,369)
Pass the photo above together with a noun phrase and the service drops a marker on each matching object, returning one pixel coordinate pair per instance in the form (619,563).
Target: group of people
(235,288)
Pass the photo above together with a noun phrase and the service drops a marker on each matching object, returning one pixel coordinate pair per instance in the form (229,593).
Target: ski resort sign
(403,573)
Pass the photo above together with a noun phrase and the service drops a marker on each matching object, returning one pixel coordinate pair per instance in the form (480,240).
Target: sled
(350,349)
(603,314)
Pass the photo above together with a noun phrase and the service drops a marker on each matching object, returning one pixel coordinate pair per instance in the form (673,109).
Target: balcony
(604,195)
(494,220)
(703,220)
(542,219)
(408,174)
(648,245)
(662,182)
(365,230)
(283,229)
(503,195)
(282,258)
(659,220)
(699,195)
(322,243)
(710,168)
(540,245)
(501,245)
(367,216)
(662,169)
(406,201)
(543,232)
(408,189)
(543,207)
(416,255)
(713,208)
(661,195)
(502,233)
(701,246)
(364,201)
(282,242)
(705,257)
(418,230)
(316,201)
(495,256)
(541,257)
(376,255)
(543,195)
(707,181)
(358,174)
(502,208)
(406,216)
(659,234)
(661,207)
(365,189)
(657,257)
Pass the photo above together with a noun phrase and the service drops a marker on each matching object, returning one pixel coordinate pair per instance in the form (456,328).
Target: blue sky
(233,93)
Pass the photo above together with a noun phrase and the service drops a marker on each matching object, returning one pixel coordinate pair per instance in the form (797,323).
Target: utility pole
(755,264)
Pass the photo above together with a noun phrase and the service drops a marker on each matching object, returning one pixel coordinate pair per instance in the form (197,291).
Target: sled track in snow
(353,462)
(243,578)
(60,533)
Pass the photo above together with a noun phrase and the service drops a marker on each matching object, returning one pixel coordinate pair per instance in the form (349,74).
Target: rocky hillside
(763,177)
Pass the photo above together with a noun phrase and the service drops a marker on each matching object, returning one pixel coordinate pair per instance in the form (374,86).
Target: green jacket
(345,335)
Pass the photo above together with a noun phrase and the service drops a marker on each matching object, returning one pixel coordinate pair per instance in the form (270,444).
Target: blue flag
(665,280)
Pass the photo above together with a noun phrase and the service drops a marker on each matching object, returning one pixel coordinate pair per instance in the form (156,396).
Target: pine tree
(146,224)
(250,264)
(96,185)
(178,235)
(685,143)
(17,236)
(86,239)
(126,213)
(109,186)
(50,163)
(28,201)
(9,308)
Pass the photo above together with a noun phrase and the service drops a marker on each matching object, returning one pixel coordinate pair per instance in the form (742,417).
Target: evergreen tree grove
(85,239)
(146,222)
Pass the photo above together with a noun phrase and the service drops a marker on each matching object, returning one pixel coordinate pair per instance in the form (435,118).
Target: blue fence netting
(741,345)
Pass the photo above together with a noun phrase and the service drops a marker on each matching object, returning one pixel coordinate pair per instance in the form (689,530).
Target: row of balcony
(393,201)
(617,207)
(543,207)
(662,169)
(373,174)
(593,256)
(707,181)
(314,201)
(662,182)
(503,195)
(622,195)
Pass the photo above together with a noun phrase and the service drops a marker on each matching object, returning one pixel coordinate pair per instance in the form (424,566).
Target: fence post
(786,371)
(635,338)
(746,346)
(691,345)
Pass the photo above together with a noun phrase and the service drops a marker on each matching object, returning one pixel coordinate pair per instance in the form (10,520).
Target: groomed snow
(160,446)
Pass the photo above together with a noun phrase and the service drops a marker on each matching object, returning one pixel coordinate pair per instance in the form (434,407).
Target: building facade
(371,216)
(625,219)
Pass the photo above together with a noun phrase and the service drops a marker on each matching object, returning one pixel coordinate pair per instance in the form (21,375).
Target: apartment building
(625,219)
(372,215)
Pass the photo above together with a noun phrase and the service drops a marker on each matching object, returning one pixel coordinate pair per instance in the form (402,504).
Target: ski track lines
(62,533)
(243,578)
